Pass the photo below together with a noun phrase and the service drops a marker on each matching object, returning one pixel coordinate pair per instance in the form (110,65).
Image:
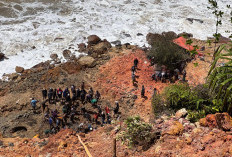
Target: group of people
(165,75)
(71,100)
(75,97)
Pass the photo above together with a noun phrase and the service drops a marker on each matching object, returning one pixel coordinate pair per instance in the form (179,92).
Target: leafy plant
(220,76)
(137,133)
(165,52)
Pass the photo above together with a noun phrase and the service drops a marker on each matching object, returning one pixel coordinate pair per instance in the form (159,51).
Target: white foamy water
(24,24)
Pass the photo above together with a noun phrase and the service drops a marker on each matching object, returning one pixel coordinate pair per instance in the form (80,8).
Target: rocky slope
(107,69)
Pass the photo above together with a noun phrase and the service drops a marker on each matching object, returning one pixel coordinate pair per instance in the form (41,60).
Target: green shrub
(165,52)
(137,133)
(180,96)
(197,100)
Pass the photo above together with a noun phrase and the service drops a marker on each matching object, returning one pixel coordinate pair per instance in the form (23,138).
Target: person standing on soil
(44,93)
(103,117)
(133,79)
(116,109)
(155,92)
(97,95)
(133,69)
(78,93)
(59,93)
(83,94)
(184,76)
(176,74)
(136,61)
(43,105)
(50,121)
(50,94)
(143,91)
(33,103)
(83,86)
(54,96)
(107,110)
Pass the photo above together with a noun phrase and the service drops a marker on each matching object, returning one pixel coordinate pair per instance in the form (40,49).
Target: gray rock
(66,54)
(54,56)
(86,61)
(19,69)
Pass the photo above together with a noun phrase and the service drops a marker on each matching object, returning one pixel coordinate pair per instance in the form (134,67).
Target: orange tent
(181,41)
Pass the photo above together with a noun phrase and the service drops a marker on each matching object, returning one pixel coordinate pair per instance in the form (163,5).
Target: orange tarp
(181,41)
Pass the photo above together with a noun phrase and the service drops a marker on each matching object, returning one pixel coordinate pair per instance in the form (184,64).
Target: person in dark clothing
(44,93)
(136,61)
(97,95)
(154,77)
(88,98)
(78,93)
(82,86)
(176,74)
(72,115)
(50,94)
(159,75)
(184,75)
(133,69)
(143,91)
(133,79)
(163,79)
(99,109)
(73,89)
(43,105)
(116,109)
(68,98)
(65,109)
(50,121)
(155,91)
(103,117)
(54,96)
(83,94)
(74,97)
(90,92)
(66,92)
(108,119)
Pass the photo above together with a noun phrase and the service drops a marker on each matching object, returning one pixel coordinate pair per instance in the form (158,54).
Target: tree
(165,52)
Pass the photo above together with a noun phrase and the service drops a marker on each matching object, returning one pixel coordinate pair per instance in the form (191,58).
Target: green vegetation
(220,75)
(137,133)
(198,100)
(165,52)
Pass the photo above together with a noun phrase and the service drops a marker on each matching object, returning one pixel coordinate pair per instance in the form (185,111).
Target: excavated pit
(18,129)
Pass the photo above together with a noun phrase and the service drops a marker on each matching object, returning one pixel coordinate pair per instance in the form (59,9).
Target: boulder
(93,39)
(66,54)
(176,128)
(117,43)
(181,113)
(2,56)
(101,47)
(222,121)
(151,38)
(82,47)
(86,61)
(54,56)
(19,69)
